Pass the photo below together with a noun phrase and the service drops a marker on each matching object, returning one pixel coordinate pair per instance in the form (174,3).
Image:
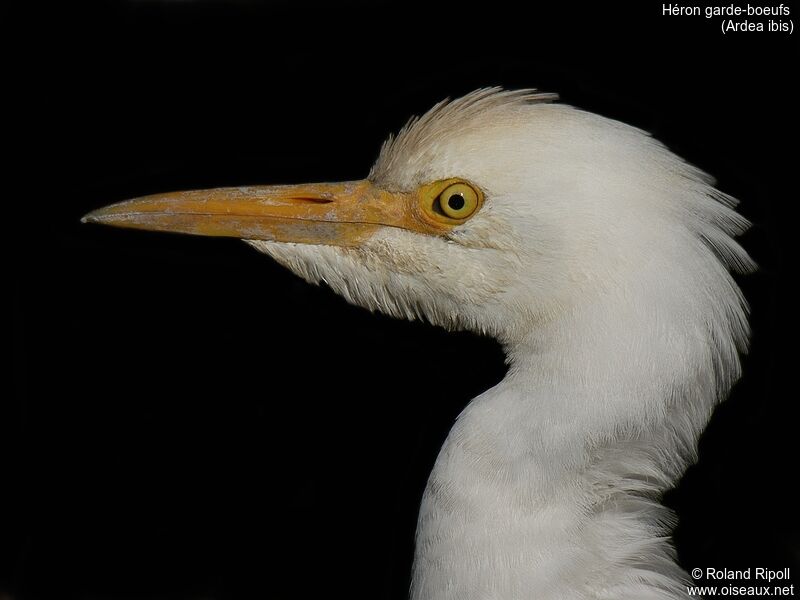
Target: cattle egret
(598,258)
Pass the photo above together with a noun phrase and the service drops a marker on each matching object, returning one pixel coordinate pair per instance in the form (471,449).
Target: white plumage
(600,260)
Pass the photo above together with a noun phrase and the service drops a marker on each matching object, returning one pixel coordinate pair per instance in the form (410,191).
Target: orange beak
(338,214)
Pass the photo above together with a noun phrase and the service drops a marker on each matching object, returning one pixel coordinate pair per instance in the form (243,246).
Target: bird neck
(548,484)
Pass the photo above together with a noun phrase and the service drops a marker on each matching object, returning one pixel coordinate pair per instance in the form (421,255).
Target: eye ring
(458,201)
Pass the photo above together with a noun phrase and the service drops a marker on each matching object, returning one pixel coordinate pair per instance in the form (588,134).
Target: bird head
(492,213)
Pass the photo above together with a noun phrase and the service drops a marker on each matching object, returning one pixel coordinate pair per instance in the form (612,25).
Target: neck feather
(548,484)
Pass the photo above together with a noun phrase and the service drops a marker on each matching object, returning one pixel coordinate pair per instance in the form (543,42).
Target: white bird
(598,258)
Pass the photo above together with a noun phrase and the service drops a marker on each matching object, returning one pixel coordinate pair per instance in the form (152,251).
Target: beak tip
(92,217)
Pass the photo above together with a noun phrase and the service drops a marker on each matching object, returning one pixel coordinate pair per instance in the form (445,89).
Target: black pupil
(456,202)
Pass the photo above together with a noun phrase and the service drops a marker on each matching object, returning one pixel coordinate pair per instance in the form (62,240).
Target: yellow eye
(458,201)
(448,203)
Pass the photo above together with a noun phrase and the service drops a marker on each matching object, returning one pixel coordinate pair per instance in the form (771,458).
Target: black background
(189,420)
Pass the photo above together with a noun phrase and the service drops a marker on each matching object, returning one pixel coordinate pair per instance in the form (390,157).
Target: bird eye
(458,201)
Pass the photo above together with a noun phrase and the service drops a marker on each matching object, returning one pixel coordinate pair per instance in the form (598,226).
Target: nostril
(317,199)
